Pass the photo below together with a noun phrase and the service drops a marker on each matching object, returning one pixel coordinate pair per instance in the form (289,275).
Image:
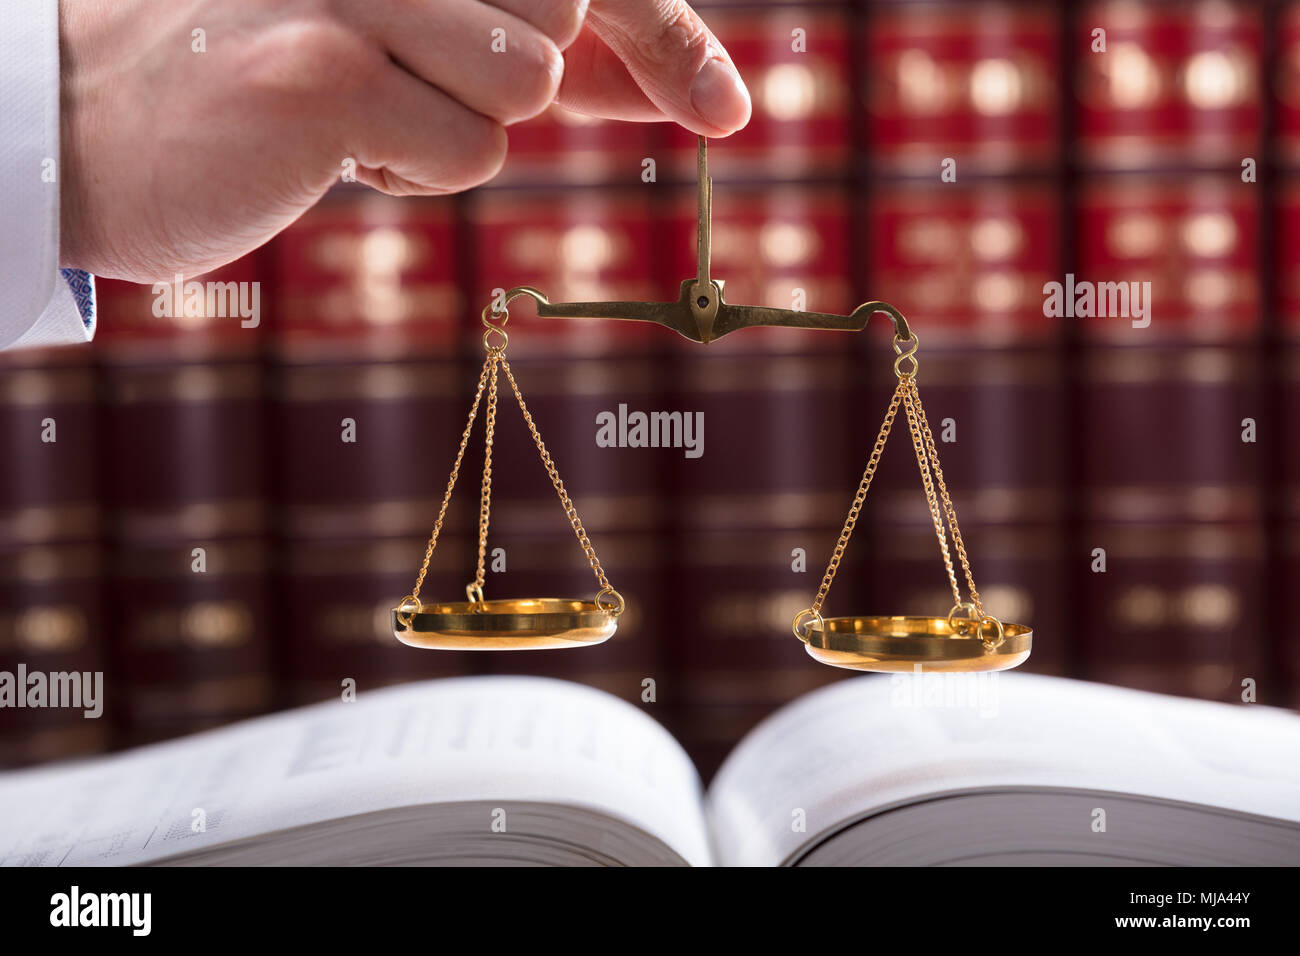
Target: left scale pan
(520,624)
(515,624)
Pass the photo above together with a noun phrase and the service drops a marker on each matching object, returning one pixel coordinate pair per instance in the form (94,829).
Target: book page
(874,742)
(481,738)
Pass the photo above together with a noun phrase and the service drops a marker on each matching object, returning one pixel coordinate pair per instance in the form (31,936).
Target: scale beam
(700,312)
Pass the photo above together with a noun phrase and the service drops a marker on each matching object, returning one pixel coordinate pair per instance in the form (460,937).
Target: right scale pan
(969,638)
(899,644)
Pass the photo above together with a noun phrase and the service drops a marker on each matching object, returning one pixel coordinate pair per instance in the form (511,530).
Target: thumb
(676,61)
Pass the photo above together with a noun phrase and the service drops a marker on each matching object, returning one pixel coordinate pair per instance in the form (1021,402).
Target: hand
(178,161)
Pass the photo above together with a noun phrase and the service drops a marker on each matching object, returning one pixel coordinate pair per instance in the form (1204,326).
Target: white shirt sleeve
(39,303)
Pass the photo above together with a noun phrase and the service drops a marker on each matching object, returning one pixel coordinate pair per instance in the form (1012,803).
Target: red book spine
(967,261)
(1171,535)
(1171,501)
(961,103)
(174,320)
(755,514)
(52,622)
(974,82)
(575,245)
(183,468)
(1193,237)
(48,487)
(1286,86)
(1178,84)
(1286,397)
(1169,398)
(193,646)
(367,406)
(51,610)
(364,277)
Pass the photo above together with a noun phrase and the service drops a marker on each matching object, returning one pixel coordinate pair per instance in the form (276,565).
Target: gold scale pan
(966,639)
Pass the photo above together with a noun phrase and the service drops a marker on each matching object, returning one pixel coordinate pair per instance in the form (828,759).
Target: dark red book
(333,600)
(1180,609)
(183,475)
(364,277)
(1172,494)
(757,504)
(581,380)
(967,262)
(52,625)
(1177,85)
(1286,85)
(51,594)
(1284,366)
(49,489)
(367,402)
(215,317)
(192,634)
(1166,259)
(974,83)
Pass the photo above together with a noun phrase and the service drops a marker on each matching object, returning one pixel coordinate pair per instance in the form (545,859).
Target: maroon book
(582,380)
(51,623)
(367,402)
(51,610)
(1284,365)
(192,634)
(332,603)
(183,476)
(184,451)
(1171,258)
(996,418)
(974,83)
(967,262)
(1173,496)
(757,501)
(1179,609)
(1177,84)
(49,489)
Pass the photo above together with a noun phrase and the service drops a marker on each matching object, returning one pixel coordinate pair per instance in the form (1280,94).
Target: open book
(1009,768)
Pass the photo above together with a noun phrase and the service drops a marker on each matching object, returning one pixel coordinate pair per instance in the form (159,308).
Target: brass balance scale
(966,639)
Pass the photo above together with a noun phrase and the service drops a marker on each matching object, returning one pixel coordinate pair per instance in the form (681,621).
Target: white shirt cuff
(39,303)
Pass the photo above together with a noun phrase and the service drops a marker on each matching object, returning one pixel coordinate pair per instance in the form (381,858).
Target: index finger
(675,61)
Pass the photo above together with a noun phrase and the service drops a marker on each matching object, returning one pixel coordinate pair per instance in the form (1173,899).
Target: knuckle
(539,72)
(480,155)
(681,34)
(562,20)
(308,57)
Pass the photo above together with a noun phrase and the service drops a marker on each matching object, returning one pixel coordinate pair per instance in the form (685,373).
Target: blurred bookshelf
(1072,433)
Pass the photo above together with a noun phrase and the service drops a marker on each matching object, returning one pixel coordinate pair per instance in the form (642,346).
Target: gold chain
(858,499)
(910,400)
(569,511)
(451,482)
(485,497)
(947,504)
(487,379)
(939,501)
